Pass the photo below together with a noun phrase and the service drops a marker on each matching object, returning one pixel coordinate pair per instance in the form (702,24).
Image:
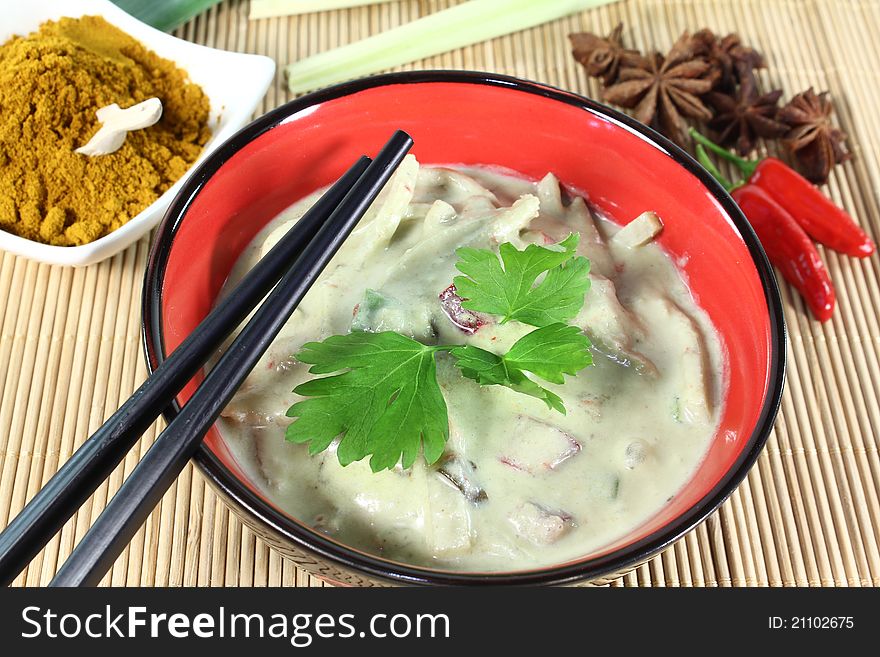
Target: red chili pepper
(816,213)
(789,247)
(786,243)
(824,222)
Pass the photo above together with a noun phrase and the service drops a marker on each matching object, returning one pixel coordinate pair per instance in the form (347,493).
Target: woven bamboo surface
(808,514)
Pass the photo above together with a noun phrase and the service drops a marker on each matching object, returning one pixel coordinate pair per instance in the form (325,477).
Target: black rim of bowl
(390,571)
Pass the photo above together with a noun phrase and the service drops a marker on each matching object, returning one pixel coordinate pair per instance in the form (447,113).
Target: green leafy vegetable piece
(511,291)
(385,402)
(440,31)
(487,368)
(549,352)
(372,302)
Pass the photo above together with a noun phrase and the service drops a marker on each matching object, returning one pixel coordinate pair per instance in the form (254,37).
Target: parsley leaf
(385,403)
(382,398)
(551,352)
(487,368)
(511,291)
(548,352)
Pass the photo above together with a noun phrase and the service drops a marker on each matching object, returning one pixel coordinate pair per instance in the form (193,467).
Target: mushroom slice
(693,402)
(447,519)
(611,326)
(537,447)
(550,194)
(465,320)
(460,473)
(538,525)
(638,232)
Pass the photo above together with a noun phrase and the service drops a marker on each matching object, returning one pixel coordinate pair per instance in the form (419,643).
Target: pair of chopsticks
(286,273)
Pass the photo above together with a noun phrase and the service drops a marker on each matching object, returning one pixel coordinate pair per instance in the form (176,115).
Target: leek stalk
(456,27)
(272,8)
(164,14)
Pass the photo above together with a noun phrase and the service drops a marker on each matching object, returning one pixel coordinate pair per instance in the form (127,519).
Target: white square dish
(234,83)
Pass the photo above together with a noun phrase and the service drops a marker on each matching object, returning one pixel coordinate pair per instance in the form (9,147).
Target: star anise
(664,90)
(602,57)
(745,115)
(723,54)
(812,138)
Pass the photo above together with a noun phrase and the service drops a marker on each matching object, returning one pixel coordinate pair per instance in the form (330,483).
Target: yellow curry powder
(51,83)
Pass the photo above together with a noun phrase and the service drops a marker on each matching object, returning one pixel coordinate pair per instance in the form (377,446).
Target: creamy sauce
(521,486)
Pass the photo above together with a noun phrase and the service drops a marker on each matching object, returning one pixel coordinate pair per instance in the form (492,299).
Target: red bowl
(476,118)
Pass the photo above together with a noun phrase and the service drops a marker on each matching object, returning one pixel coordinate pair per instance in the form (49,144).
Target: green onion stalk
(165,15)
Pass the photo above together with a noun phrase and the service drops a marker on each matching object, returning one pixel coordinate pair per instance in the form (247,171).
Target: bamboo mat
(808,514)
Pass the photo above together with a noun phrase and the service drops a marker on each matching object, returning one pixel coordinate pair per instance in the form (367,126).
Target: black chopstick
(93,462)
(80,476)
(159,467)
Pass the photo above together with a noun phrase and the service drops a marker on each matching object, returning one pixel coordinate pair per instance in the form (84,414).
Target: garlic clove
(104,142)
(116,123)
(105,113)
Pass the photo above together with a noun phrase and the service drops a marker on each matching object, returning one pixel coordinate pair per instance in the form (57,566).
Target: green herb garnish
(548,352)
(386,402)
(383,400)
(511,291)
